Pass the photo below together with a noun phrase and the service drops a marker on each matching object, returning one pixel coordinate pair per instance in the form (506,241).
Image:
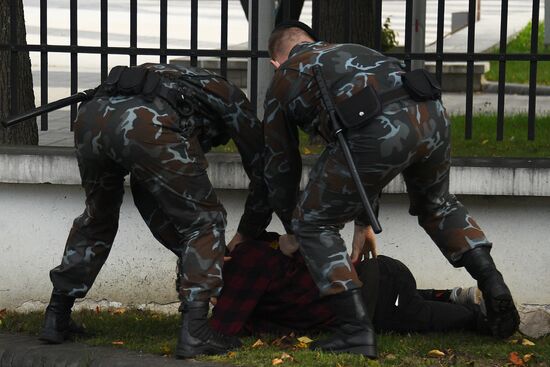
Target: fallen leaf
(515,359)
(527,342)
(300,345)
(277,361)
(118,311)
(436,353)
(513,341)
(485,141)
(232,354)
(391,357)
(165,349)
(258,343)
(284,342)
(118,342)
(305,339)
(528,357)
(287,356)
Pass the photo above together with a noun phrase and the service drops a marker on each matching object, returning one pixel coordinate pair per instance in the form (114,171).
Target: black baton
(75,98)
(338,132)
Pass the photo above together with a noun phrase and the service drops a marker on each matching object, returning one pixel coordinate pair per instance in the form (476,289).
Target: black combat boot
(58,325)
(196,337)
(353,328)
(502,316)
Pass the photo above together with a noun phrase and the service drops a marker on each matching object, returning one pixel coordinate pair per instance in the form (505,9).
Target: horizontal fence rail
(288,9)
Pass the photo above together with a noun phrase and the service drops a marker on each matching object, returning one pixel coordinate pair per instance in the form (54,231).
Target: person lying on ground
(268,289)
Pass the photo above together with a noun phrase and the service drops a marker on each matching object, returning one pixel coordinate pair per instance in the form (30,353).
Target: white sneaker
(466,296)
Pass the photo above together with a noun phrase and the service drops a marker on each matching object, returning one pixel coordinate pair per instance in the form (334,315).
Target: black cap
(297,24)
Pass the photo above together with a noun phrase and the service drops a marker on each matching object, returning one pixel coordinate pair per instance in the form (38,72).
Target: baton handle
(67,101)
(338,132)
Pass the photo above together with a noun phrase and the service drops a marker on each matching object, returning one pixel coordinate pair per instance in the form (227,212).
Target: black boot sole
(52,337)
(190,352)
(503,316)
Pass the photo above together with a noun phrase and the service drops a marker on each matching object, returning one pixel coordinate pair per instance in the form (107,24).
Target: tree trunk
(25,132)
(335,22)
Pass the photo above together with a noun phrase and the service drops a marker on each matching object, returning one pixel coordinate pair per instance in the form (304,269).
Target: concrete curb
(515,88)
(26,351)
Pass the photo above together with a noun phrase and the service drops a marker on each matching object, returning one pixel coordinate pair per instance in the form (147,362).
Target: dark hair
(287,31)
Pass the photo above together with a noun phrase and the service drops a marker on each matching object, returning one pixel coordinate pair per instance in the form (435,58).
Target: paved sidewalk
(26,351)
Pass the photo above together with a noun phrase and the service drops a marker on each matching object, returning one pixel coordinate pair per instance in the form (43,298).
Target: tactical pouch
(359,108)
(131,81)
(421,85)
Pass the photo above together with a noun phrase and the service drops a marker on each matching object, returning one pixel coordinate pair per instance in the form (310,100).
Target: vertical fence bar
(286,9)
(378,29)
(439,42)
(253,87)
(408,32)
(348,16)
(43,62)
(533,70)
(223,40)
(194,31)
(470,69)
(13,57)
(74,56)
(163,30)
(133,31)
(502,69)
(104,39)
(315,15)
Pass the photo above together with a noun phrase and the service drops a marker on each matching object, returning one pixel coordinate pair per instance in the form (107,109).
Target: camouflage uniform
(164,155)
(408,137)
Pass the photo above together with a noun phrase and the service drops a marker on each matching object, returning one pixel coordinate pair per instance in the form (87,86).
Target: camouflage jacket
(293,100)
(228,112)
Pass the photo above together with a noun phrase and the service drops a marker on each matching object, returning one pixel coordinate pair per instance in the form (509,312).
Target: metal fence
(254,53)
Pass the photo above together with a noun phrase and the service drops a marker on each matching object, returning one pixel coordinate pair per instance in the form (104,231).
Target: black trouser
(401,307)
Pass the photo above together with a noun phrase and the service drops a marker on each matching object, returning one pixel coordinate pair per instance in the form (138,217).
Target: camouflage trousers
(115,136)
(408,138)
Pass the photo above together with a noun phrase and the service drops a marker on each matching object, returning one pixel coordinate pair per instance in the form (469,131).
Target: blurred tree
(25,132)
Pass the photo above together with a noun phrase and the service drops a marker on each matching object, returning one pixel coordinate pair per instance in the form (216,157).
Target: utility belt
(185,100)
(132,81)
(357,110)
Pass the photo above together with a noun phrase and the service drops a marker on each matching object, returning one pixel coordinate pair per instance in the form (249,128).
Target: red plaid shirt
(266,291)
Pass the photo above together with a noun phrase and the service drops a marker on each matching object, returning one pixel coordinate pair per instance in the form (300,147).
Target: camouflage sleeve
(246,131)
(283,163)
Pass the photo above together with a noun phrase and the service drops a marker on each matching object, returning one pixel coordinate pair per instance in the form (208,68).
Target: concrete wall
(35,218)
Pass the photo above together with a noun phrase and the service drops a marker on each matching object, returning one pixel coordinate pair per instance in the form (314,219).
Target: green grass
(518,71)
(483,142)
(156,333)
(514,144)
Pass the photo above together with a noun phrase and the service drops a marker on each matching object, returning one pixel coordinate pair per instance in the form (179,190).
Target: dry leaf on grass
(118,311)
(258,343)
(527,342)
(287,356)
(232,354)
(515,359)
(300,345)
(118,342)
(277,361)
(391,357)
(304,339)
(528,357)
(436,353)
